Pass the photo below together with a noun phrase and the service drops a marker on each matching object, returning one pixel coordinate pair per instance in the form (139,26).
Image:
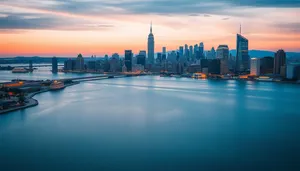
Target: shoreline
(31,101)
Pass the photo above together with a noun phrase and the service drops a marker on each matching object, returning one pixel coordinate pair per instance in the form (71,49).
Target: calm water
(42,73)
(153,123)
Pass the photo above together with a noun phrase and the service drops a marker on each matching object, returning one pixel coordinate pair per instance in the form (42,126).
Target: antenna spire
(151,27)
(240,29)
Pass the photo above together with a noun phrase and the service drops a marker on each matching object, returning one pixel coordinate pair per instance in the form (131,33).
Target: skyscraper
(223,52)
(164,53)
(151,46)
(266,65)
(79,62)
(279,62)
(54,65)
(242,56)
(191,53)
(186,51)
(128,60)
(141,58)
(223,55)
(181,51)
(255,67)
(201,50)
(196,51)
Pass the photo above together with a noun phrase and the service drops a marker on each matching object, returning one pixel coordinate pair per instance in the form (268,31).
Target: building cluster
(93,64)
(188,58)
(276,66)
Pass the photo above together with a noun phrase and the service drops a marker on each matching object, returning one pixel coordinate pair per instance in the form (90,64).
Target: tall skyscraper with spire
(242,56)
(151,46)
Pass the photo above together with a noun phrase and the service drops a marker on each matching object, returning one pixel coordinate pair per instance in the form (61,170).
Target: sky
(96,27)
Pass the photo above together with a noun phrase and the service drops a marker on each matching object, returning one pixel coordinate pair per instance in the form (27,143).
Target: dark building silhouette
(242,56)
(91,65)
(279,62)
(214,66)
(204,63)
(54,65)
(128,60)
(141,59)
(69,65)
(266,65)
(159,58)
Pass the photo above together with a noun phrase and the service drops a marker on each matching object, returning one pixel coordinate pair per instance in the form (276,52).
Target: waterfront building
(91,65)
(242,56)
(124,69)
(79,63)
(137,68)
(194,68)
(223,52)
(204,63)
(279,62)
(128,60)
(141,58)
(266,65)
(151,46)
(114,65)
(255,67)
(224,66)
(69,65)
(293,71)
(54,65)
(214,66)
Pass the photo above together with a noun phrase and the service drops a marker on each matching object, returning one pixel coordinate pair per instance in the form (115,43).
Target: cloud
(42,21)
(225,18)
(162,7)
(288,27)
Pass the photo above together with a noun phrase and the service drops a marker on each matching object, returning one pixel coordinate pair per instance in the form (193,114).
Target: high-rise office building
(223,52)
(181,51)
(196,52)
(201,50)
(214,66)
(164,50)
(186,51)
(293,71)
(128,60)
(242,56)
(255,67)
(79,62)
(54,65)
(141,58)
(213,53)
(266,65)
(159,58)
(115,56)
(151,47)
(279,62)
(191,52)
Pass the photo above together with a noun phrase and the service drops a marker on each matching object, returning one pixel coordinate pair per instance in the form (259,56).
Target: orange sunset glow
(55,28)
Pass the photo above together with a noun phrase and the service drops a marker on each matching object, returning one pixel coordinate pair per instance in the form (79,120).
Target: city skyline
(54,28)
